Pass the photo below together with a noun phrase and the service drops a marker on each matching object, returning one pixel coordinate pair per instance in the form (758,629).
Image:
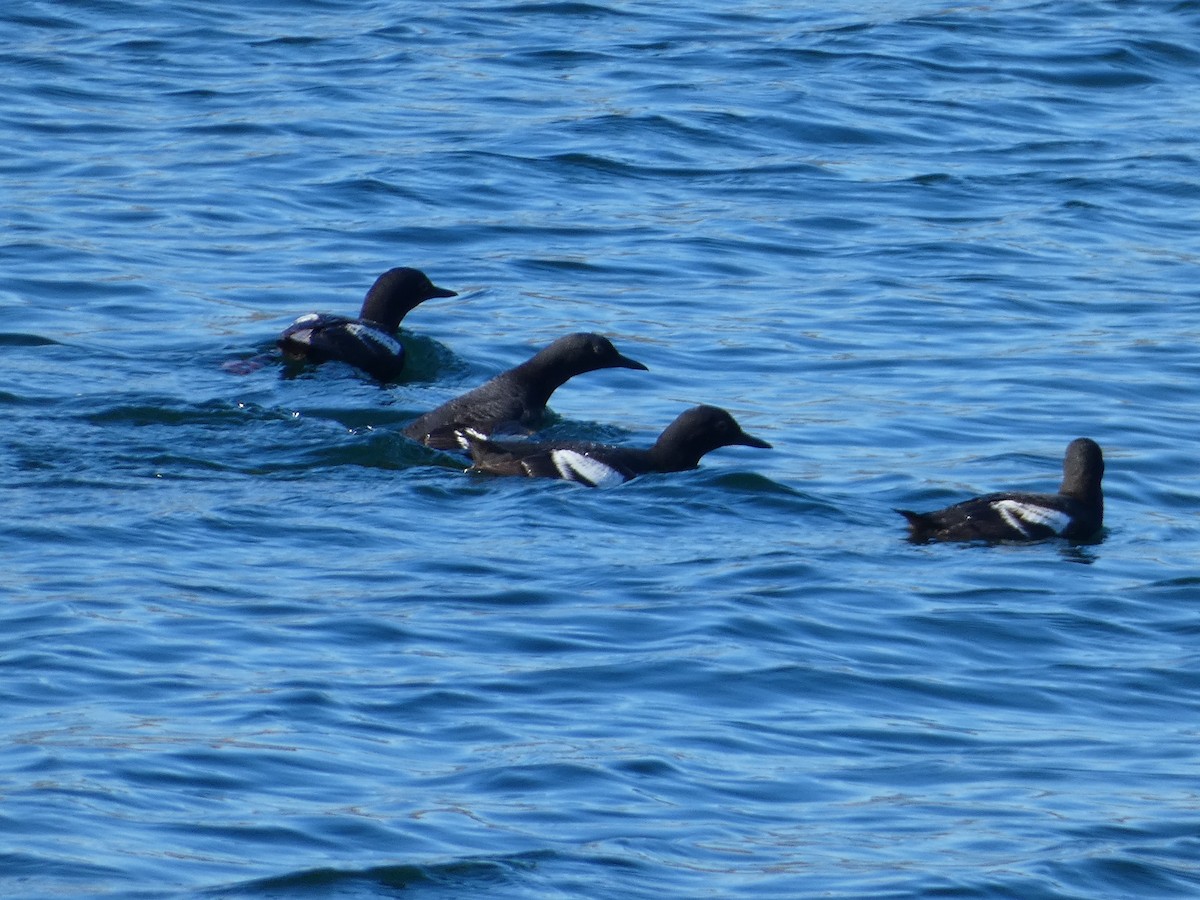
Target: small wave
(25,340)
(475,873)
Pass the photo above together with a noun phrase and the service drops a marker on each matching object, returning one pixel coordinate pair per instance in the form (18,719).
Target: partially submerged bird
(368,342)
(518,397)
(693,434)
(1076,512)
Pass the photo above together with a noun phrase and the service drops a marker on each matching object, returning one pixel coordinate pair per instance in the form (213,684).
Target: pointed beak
(749,440)
(624,362)
(442,292)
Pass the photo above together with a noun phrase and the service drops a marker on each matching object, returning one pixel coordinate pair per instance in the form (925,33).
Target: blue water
(257,645)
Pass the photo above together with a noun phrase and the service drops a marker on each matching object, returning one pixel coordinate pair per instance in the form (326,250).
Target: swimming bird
(693,434)
(1076,512)
(517,397)
(368,342)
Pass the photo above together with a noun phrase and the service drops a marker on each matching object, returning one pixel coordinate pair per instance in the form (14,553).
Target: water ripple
(259,644)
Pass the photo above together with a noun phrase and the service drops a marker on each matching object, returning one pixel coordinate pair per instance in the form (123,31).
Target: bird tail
(474,441)
(920,524)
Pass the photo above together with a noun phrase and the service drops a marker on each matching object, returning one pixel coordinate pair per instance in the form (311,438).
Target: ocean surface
(256,644)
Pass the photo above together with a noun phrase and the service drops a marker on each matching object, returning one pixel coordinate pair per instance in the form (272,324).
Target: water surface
(255,644)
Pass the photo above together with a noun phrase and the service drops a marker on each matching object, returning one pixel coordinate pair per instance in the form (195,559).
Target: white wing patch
(575,466)
(1019,515)
(366,333)
(307,317)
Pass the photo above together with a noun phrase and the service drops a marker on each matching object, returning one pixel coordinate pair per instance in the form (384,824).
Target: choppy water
(255,644)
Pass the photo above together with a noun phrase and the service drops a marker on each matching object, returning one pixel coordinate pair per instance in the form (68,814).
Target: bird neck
(377,315)
(672,455)
(542,377)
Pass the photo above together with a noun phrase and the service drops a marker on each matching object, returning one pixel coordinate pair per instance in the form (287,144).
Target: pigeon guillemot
(694,433)
(1076,512)
(368,342)
(518,396)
